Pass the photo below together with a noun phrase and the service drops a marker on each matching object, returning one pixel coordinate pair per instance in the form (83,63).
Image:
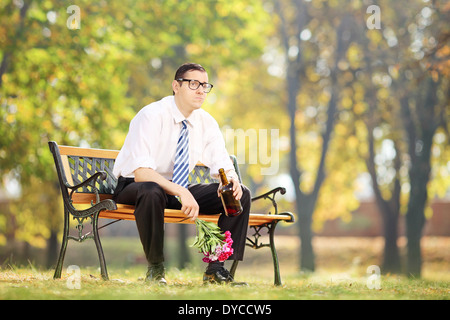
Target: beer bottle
(231,206)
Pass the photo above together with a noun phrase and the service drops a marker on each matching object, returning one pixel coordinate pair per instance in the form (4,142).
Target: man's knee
(151,191)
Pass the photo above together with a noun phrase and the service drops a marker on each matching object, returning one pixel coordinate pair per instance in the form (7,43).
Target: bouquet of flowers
(211,242)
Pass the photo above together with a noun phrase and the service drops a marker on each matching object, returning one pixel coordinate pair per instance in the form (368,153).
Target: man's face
(187,99)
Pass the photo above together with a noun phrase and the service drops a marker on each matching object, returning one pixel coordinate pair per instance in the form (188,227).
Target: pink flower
(220,253)
(206,259)
(212,243)
(226,250)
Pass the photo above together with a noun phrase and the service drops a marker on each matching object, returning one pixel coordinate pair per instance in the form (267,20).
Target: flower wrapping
(215,245)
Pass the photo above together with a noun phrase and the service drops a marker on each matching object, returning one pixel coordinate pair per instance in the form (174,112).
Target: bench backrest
(74,165)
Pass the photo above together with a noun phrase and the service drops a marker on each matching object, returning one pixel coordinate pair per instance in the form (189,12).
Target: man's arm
(189,204)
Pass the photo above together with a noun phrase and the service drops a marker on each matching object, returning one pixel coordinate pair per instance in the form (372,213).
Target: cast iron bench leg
(276,266)
(98,244)
(62,252)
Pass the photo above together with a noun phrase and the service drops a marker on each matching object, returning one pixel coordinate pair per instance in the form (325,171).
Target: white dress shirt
(152,139)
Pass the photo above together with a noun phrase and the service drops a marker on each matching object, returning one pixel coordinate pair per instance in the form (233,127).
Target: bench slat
(176,216)
(126,212)
(170,216)
(86,152)
(86,198)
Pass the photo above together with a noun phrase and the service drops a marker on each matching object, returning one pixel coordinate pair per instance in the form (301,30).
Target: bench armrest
(98,175)
(271,196)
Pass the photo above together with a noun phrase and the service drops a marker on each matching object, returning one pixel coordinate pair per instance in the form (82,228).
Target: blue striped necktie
(181,165)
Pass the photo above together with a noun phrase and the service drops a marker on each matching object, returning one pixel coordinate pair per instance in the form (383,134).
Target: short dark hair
(185,68)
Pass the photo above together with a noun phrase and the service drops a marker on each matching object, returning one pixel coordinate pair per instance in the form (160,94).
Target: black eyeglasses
(195,84)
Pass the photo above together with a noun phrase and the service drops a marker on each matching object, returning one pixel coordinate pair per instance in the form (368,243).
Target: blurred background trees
(349,102)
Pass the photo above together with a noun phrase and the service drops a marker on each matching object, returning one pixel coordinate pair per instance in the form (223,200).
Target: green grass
(341,274)
(29,283)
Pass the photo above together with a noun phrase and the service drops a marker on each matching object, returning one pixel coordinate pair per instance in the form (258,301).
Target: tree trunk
(390,208)
(415,216)
(420,129)
(391,256)
(305,203)
(52,249)
(307,257)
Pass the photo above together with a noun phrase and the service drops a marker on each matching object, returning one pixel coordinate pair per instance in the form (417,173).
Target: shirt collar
(179,117)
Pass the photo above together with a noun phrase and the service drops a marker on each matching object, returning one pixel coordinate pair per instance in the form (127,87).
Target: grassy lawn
(127,284)
(342,274)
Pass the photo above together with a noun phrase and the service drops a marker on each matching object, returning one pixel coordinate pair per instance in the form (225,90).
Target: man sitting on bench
(165,141)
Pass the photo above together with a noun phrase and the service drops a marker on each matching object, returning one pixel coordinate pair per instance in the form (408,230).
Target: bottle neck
(223,177)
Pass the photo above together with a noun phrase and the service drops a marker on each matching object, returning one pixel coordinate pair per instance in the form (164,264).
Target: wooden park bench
(85,177)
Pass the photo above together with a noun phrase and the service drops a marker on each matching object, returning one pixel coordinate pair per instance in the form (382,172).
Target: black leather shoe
(220,276)
(156,274)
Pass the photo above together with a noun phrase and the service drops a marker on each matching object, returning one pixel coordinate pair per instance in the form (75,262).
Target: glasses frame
(200,84)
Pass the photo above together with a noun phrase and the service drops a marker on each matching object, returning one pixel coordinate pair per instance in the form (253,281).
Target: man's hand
(237,190)
(189,205)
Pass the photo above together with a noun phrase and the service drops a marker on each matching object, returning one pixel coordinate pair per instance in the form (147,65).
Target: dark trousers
(150,201)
